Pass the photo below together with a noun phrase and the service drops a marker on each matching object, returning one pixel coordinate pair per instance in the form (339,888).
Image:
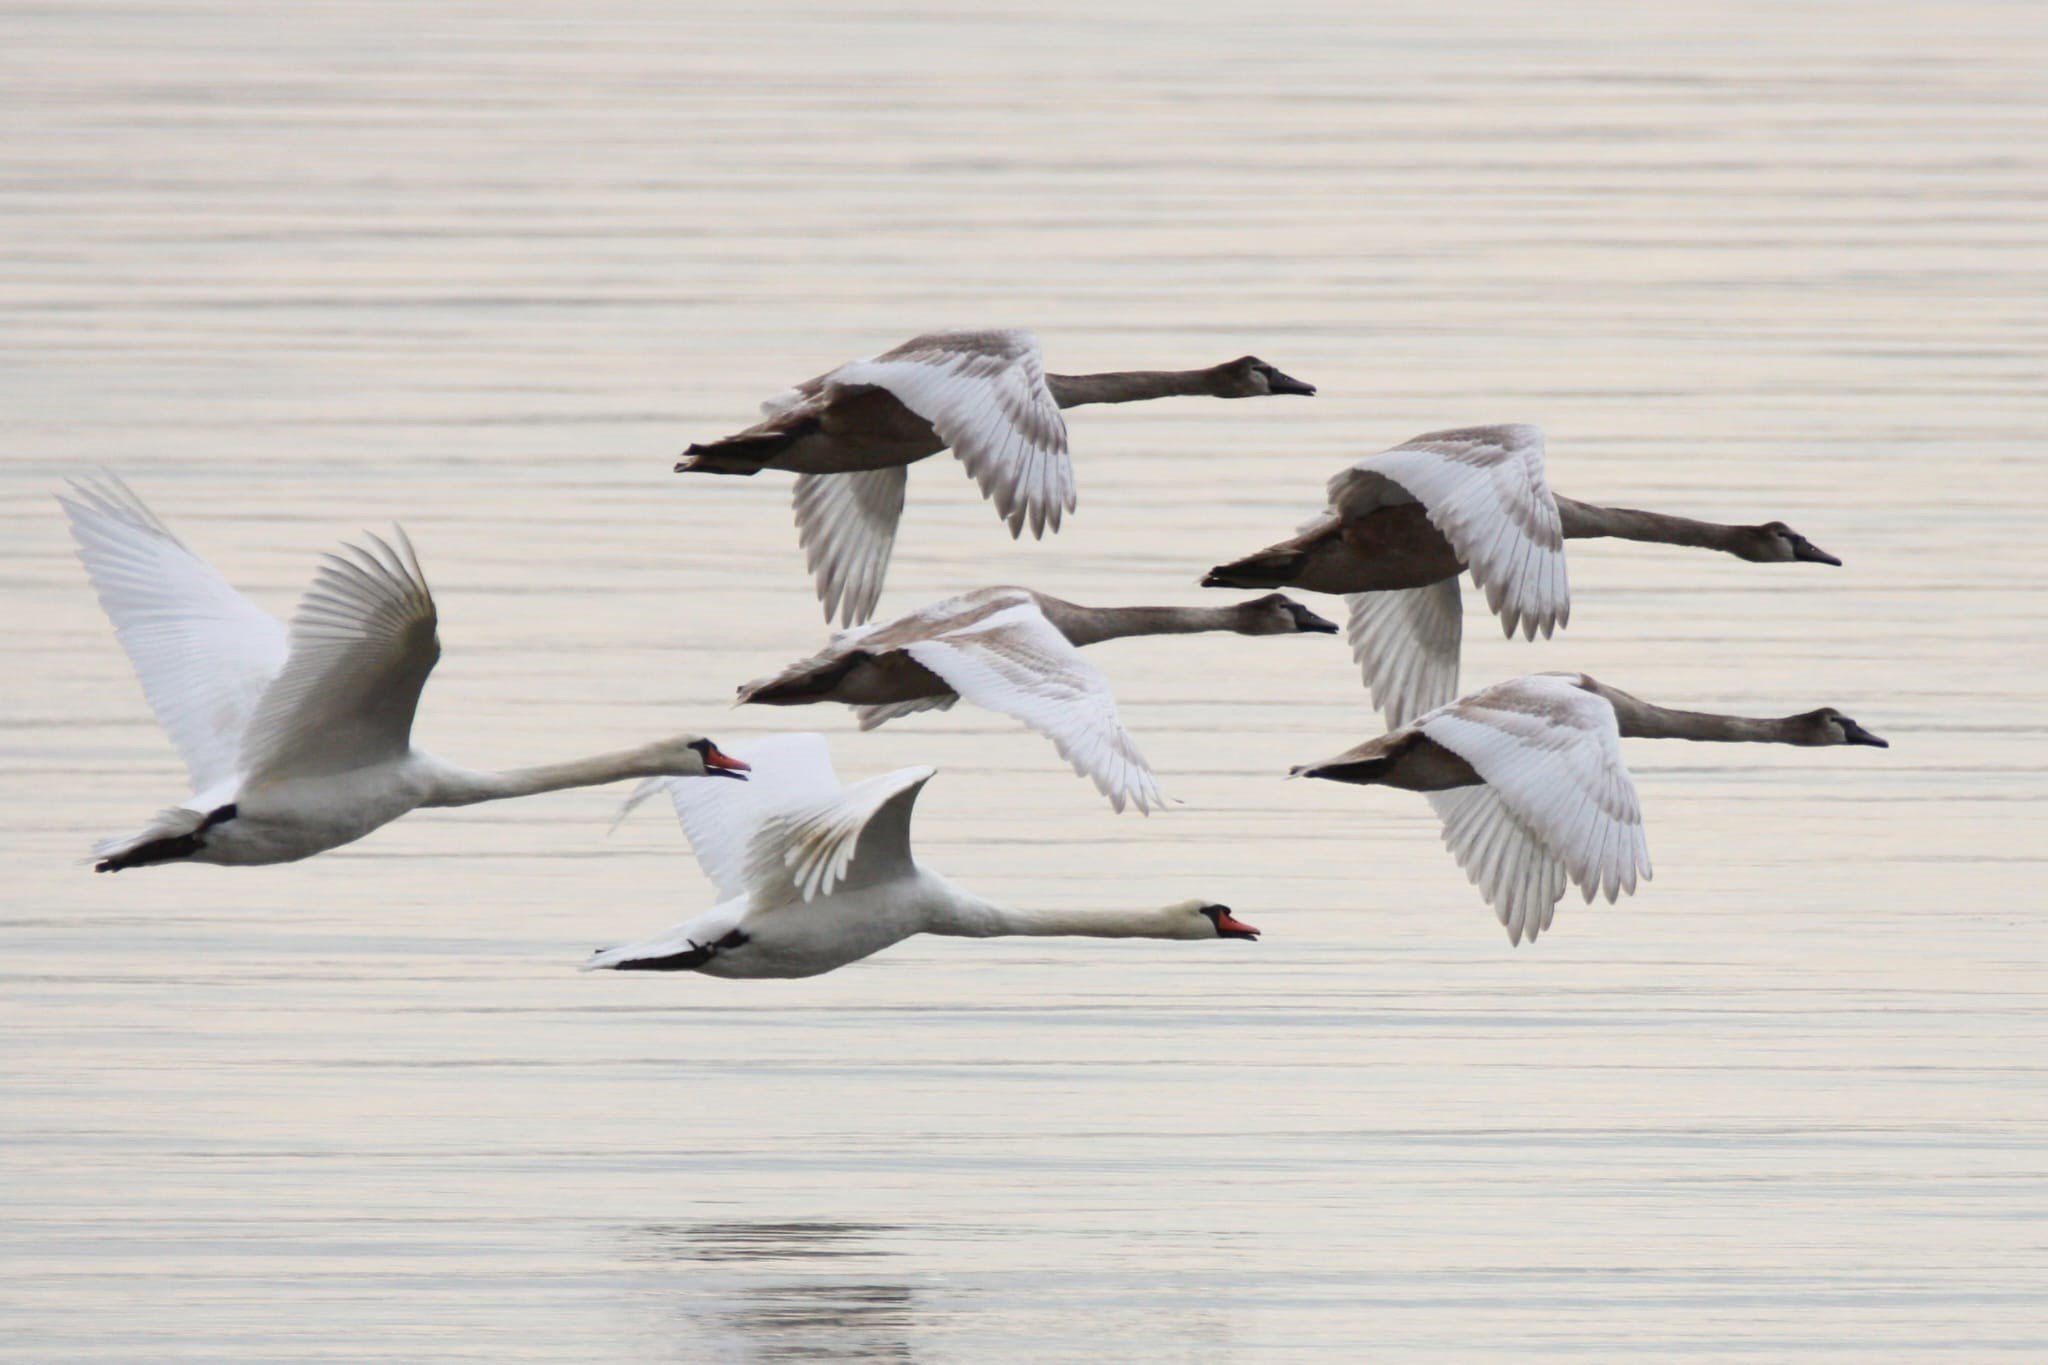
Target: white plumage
(813,875)
(1407,641)
(1018,663)
(1558,802)
(204,653)
(297,741)
(846,524)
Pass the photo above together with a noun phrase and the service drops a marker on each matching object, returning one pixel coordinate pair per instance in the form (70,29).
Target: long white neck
(457,786)
(972,917)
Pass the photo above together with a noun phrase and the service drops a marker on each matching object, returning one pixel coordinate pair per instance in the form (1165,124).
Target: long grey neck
(1588,521)
(456,786)
(1642,720)
(1092,625)
(972,917)
(1128,386)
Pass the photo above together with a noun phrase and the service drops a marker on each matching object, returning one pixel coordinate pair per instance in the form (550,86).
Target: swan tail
(746,453)
(1266,569)
(175,833)
(652,955)
(811,680)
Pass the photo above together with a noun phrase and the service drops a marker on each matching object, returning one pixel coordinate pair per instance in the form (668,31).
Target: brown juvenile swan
(1018,652)
(1528,779)
(850,434)
(1402,525)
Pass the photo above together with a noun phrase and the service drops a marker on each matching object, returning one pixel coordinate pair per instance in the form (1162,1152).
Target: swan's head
(1250,377)
(693,756)
(1776,543)
(1278,614)
(1829,726)
(1206,919)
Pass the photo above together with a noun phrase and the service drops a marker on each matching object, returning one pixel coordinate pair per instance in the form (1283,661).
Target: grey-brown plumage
(850,433)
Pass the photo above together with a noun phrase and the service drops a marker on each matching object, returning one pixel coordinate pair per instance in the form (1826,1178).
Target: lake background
(297,271)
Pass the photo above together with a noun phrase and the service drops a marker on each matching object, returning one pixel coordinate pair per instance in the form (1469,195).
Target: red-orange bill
(1227,923)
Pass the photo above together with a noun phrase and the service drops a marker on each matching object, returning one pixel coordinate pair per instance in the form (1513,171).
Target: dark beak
(1806,550)
(1312,623)
(1858,735)
(1287,383)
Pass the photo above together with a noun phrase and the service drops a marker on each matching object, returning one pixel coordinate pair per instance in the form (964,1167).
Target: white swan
(297,741)
(1402,524)
(1017,652)
(850,435)
(812,876)
(1528,779)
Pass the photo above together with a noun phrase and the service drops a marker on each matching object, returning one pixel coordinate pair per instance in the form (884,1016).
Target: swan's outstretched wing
(1506,859)
(1562,802)
(363,641)
(1484,488)
(850,839)
(847,525)
(203,652)
(986,396)
(1406,643)
(1017,662)
(787,771)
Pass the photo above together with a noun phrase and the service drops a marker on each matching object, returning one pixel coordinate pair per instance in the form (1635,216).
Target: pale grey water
(486,269)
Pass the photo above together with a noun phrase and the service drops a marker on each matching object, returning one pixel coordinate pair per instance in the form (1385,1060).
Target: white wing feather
(1017,662)
(720,817)
(1550,752)
(362,644)
(1406,643)
(985,394)
(203,652)
(847,525)
(1485,489)
(854,838)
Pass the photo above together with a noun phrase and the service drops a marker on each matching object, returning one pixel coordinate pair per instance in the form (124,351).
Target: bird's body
(1015,651)
(1400,526)
(297,740)
(850,434)
(1529,781)
(813,876)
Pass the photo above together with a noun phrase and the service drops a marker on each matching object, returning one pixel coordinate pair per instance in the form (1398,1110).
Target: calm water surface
(486,269)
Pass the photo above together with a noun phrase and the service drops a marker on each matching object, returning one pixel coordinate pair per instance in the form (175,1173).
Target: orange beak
(714,759)
(1227,923)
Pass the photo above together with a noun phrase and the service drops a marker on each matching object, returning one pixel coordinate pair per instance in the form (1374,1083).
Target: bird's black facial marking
(1856,734)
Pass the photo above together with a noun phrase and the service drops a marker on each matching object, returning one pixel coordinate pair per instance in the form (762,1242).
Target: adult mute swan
(850,434)
(1528,779)
(812,875)
(1015,651)
(297,741)
(1402,525)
